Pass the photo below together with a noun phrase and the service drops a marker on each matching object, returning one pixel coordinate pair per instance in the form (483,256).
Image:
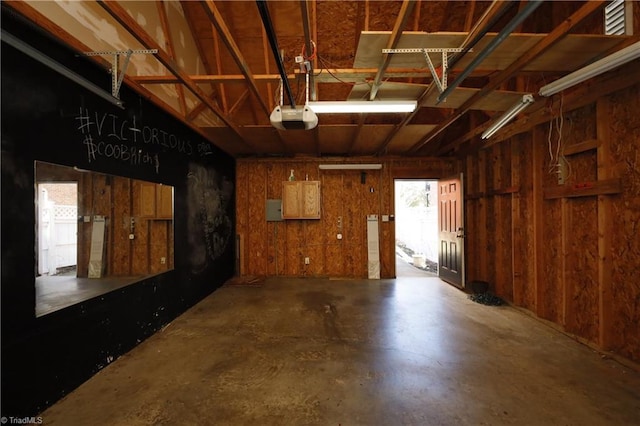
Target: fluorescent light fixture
(508,116)
(368,107)
(612,61)
(338,166)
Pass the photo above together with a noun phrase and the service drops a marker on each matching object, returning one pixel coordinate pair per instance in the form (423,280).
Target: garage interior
(251,236)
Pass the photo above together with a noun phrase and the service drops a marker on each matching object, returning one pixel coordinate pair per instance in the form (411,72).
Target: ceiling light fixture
(367,107)
(612,61)
(508,115)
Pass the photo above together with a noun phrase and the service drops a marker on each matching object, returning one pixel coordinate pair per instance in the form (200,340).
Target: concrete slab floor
(412,351)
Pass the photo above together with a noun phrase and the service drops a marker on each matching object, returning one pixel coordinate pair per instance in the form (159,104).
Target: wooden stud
(482,215)
(605,225)
(517,261)
(581,147)
(585,189)
(538,222)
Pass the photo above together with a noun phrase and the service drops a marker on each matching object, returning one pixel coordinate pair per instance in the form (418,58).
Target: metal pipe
(502,35)
(505,6)
(271,35)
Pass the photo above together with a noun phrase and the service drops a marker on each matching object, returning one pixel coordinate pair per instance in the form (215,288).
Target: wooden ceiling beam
(218,21)
(323,75)
(542,46)
(394,38)
(129,23)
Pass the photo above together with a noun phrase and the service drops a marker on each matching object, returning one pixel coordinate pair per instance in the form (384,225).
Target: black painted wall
(47,117)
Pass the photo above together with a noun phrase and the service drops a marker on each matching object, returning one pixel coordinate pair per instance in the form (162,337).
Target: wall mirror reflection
(96,233)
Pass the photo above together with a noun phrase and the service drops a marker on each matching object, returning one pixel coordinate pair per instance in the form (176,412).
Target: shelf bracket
(116,75)
(441,80)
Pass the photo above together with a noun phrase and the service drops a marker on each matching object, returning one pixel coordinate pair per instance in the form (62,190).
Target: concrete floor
(410,351)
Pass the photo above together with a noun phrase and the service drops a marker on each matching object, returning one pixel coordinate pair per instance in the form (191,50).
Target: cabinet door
(291,202)
(310,199)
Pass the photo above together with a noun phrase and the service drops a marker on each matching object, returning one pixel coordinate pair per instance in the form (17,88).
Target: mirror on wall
(96,233)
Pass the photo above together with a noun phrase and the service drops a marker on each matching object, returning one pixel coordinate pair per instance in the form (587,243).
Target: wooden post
(517,260)
(498,216)
(605,221)
(482,215)
(538,231)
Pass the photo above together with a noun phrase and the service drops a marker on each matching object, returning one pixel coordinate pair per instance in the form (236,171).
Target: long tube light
(56,66)
(367,107)
(338,166)
(614,60)
(508,116)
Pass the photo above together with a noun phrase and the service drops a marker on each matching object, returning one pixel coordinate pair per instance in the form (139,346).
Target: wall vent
(614,18)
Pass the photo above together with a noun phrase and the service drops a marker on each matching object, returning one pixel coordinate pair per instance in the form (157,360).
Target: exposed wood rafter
(217,20)
(124,19)
(164,22)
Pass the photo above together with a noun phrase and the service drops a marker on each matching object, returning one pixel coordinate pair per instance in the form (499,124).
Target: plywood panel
(407,137)
(256,221)
(336,139)
(158,250)
(371,137)
(242,210)
(140,243)
(624,125)
(120,257)
(581,273)
(332,222)
(567,55)
(354,223)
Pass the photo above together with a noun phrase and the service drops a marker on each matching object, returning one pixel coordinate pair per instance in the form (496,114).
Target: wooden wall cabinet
(301,199)
(156,201)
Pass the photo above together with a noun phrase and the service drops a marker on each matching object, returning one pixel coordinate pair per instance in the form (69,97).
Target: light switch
(385,218)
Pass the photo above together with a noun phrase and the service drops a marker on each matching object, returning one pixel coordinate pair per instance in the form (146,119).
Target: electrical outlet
(306,261)
(163,260)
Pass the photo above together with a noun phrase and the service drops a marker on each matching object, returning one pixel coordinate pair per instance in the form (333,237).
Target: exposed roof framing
(226,93)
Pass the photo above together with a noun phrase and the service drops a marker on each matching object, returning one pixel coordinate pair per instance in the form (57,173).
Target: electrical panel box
(274,210)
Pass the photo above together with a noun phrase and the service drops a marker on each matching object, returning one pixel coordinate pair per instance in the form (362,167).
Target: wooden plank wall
(569,253)
(279,248)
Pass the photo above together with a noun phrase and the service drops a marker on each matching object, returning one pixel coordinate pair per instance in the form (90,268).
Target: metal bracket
(116,75)
(441,81)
